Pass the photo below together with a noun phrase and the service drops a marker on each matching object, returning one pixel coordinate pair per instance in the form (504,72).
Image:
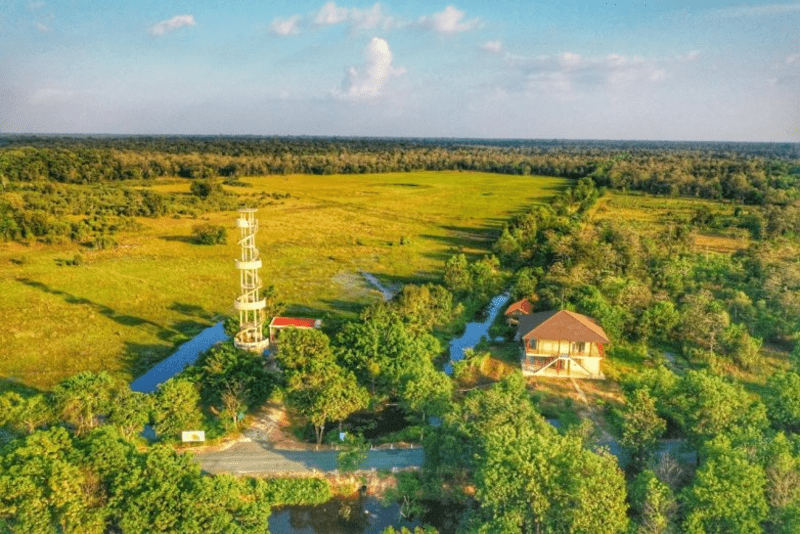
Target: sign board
(193,435)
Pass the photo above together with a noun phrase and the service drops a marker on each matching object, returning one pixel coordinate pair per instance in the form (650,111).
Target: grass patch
(651,215)
(132,304)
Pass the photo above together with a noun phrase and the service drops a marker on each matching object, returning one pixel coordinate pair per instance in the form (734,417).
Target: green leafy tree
(317,386)
(425,306)
(383,353)
(457,274)
(641,427)
(727,494)
(549,483)
(177,407)
(24,414)
(43,489)
(129,411)
(704,320)
(655,504)
(428,393)
(83,398)
(783,400)
(710,406)
(204,188)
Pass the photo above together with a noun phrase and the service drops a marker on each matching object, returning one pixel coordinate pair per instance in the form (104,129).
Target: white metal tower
(250,306)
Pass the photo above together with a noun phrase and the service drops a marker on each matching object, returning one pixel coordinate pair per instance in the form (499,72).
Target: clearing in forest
(130,305)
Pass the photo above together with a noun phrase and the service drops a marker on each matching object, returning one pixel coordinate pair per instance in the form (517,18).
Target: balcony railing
(555,366)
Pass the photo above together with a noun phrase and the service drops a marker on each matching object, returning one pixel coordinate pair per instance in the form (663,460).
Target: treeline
(47,211)
(44,179)
(752,173)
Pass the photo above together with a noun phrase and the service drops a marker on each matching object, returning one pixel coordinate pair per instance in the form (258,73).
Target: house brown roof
(523,306)
(561,324)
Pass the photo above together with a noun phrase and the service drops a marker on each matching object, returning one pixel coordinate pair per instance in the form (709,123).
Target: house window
(580,347)
(532,344)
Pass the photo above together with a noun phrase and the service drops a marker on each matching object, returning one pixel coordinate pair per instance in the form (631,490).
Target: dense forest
(689,329)
(38,175)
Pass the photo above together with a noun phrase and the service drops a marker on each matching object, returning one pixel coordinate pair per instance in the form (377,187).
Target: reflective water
(475,331)
(337,516)
(357,516)
(185,355)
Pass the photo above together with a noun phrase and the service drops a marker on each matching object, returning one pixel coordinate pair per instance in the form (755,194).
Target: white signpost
(193,435)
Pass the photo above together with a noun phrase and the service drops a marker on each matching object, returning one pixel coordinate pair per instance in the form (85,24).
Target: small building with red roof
(279,323)
(561,343)
(517,310)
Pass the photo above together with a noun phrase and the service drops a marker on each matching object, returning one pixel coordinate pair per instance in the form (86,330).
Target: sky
(673,70)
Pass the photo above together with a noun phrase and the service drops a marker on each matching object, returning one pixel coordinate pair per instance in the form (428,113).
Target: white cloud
(368,80)
(33,6)
(568,60)
(330,14)
(570,76)
(495,47)
(792,59)
(283,27)
(41,27)
(367,19)
(449,21)
(175,23)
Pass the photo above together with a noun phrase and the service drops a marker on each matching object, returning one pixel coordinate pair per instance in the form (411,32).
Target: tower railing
(251,308)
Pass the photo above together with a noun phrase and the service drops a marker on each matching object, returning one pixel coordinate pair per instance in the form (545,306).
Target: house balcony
(561,366)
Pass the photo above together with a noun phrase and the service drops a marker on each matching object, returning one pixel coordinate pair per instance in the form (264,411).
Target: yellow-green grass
(651,214)
(157,288)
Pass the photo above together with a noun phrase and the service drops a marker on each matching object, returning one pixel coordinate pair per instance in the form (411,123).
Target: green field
(156,289)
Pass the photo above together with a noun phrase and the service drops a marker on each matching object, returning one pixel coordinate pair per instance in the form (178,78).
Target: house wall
(555,347)
(591,364)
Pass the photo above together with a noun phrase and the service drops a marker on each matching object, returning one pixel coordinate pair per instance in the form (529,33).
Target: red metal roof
(299,322)
(563,324)
(523,306)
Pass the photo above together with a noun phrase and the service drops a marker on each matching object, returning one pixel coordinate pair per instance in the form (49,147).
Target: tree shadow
(179,238)
(191,310)
(102,309)
(137,358)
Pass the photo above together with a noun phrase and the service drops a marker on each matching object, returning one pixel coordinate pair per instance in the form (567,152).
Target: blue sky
(578,70)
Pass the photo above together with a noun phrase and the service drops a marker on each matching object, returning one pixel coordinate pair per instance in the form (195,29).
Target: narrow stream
(185,355)
(474,332)
(189,351)
(387,293)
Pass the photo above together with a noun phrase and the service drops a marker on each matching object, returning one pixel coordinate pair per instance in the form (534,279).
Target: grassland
(134,303)
(650,215)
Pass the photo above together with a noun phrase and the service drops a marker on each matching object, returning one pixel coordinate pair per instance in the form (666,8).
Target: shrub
(210,234)
(296,491)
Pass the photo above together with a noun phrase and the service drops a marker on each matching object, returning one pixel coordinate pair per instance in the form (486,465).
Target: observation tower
(251,307)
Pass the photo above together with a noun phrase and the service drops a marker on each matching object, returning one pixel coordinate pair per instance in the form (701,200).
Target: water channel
(185,355)
(337,516)
(475,331)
